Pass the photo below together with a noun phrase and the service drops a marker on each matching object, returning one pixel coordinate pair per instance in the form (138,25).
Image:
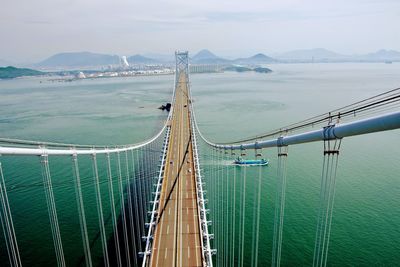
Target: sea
(229,106)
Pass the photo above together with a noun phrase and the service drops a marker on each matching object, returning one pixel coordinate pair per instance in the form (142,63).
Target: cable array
(327,197)
(8,224)
(52,210)
(279,205)
(373,114)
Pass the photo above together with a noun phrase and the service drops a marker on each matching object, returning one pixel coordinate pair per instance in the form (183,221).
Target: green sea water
(366,222)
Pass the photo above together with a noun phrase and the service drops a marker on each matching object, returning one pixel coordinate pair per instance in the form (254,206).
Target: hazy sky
(32,30)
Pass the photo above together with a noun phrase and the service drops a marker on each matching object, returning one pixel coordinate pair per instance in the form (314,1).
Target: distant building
(80,75)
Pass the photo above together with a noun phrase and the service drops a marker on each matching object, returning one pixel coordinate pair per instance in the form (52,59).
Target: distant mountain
(139,59)
(324,55)
(160,57)
(256,59)
(78,59)
(204,54)
(381,55)
(206,57)
(13,72)
(309,55)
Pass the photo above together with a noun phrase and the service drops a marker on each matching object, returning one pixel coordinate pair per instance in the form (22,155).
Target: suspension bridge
(172,200)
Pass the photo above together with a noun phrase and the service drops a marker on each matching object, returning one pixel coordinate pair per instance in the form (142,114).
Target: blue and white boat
(250,162)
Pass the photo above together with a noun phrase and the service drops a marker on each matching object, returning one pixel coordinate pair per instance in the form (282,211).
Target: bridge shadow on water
(134,243)
(136,206)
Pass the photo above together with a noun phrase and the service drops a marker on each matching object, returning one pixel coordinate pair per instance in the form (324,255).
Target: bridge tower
(182,65)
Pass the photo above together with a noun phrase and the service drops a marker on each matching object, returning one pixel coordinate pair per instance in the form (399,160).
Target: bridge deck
(177,236)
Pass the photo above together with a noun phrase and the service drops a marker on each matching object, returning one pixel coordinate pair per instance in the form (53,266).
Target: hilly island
(13,72)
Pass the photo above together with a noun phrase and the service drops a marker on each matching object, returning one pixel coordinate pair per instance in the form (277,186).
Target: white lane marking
(187,227)
(166,253)
(168,229)
(187,210)
(169,211)
(179,133)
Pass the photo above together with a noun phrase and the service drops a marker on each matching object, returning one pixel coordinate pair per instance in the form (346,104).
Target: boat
(250,162)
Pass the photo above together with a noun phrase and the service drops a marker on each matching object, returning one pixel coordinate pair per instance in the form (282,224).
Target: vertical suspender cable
(253,227)
(3,222)
(155,159)
(243,213)
(276,214)
(319,218)
(140,193)
(217,202)
(100,211)
(52,210)
(214,206)
(223,204)
(234,215)
(222,191)
(284,153)
(136,203)
(44,160)
(113,212)
(81,211)
(123,212)
(51,207)
(328,183)
(332,200)
(327,194)
(257,230)
(131,224)
(322,211)
(217,222)
(8,224)
(279,205)
(240,217)
(153,185)
(208,158)
(143,188)
(228,223)
(149,179)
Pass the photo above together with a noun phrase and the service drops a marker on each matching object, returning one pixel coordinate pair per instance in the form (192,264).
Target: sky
(31,31)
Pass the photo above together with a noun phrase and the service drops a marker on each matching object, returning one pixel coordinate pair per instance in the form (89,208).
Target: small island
(13,72)
(262,70)
(246,69)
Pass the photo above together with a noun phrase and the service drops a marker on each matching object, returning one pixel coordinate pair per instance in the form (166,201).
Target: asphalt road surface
(177,235)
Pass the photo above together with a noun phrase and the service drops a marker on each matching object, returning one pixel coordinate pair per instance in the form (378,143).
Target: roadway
(177,235)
